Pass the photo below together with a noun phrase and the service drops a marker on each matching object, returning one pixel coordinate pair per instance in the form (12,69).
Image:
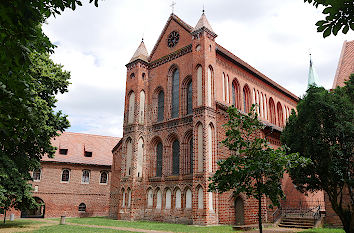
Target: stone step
(295,226)
(297,223)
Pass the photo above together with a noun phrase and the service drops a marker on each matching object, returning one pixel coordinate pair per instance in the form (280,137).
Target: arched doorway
(35,212)
(239,211)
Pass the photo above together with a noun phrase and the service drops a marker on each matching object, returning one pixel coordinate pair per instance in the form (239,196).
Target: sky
(95,44)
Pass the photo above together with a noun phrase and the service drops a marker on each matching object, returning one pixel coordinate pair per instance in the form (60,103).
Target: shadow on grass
(19,223)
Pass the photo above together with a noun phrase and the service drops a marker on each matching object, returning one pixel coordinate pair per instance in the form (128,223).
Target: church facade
(175,108)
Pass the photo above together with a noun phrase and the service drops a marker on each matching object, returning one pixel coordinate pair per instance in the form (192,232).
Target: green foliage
(28,82)
(339,14)
(254,168)
(323,130)
(26,128)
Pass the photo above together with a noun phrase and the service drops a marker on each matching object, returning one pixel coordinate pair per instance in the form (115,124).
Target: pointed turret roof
(313,76)
(140,53)
(203,22)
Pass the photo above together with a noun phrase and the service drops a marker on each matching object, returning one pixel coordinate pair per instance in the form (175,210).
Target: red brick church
(175,106)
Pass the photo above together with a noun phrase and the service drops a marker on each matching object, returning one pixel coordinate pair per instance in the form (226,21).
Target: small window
(132,76)
(85,177)
(88,153)
(143,76)
(104,178)
(82,207)
(65,175)
(36,175)
(36,188)
(63,151)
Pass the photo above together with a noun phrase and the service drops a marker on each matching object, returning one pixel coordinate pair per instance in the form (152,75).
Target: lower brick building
(175,108)
(76,182)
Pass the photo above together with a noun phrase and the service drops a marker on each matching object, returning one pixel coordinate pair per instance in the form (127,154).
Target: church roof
(140,53)
(77,143)
(345,64)
(203,22)
(238,61)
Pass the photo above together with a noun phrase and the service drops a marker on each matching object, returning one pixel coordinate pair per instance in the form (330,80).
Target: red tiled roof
(345,64)
(258,74)
(76,143)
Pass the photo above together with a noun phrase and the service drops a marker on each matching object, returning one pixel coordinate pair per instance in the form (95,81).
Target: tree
(29,81)
(27,129)
(323,130)
(254,168)
(340,14)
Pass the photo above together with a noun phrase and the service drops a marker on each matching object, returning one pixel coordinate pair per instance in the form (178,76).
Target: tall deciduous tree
(323,130)
(254,167)
(339,14)
(27,125)
(29,81)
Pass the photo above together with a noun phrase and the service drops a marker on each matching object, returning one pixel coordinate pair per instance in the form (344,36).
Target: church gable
(175,35)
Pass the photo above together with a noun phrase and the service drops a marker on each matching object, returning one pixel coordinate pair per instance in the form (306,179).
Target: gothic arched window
(280,114)
(272,116)
(175,157)
(160,106)
(139,162)
(142,107)
(191,155)
(159,159)
(189,98)
(175,94)
(199,85)
(246,99)
(131,107)
(128,162)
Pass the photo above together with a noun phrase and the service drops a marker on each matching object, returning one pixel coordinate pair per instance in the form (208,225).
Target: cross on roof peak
(173,5)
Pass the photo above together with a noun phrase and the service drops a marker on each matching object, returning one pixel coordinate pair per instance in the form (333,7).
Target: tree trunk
(345,216)
(4,216)
(260,212)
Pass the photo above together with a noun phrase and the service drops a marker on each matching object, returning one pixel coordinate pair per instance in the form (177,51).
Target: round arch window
(82,207)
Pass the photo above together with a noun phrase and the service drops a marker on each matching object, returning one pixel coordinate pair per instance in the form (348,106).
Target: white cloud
(274,36)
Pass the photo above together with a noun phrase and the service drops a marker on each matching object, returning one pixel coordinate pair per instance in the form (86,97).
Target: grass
(101,221)
(76,229)
(19,223)
(323,230)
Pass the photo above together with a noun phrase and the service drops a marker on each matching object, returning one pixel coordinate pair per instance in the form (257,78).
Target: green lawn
(323,230)
(101,221)
(76,229)
(18,223)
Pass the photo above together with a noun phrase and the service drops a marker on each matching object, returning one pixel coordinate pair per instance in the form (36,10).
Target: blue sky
(94,44)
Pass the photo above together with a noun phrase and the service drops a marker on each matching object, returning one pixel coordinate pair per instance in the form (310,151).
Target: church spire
(313,77)
(203,23)
(140,53)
